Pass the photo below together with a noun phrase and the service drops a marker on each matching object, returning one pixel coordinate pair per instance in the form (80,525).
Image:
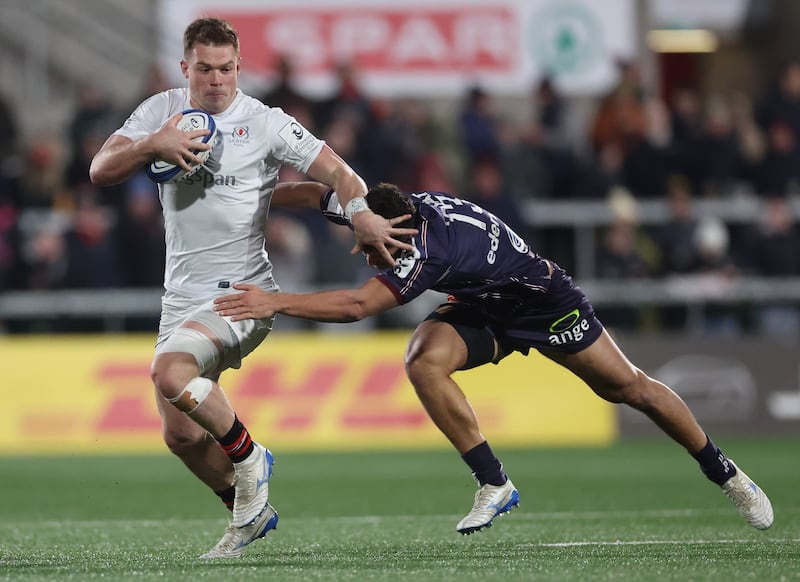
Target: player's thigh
(602,366)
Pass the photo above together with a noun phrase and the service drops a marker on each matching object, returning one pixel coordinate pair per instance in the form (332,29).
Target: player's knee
(183,442)
(167,381)
(425,364)
(635,390)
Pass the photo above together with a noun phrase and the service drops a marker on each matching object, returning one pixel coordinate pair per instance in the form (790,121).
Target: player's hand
(373,230)
(253,303)
(177,147)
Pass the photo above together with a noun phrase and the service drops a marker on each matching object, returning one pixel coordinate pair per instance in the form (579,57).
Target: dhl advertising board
(87,394)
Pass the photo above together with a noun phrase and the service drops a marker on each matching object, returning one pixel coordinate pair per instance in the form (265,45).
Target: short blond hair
(211,31)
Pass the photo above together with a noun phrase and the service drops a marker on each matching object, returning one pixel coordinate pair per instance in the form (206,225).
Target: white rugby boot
(236,539)
(252,486)
(490,501)
(749,499)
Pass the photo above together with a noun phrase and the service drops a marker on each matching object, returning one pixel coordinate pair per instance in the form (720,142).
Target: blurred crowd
(58,231)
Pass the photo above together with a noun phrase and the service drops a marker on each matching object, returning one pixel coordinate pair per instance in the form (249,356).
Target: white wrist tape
(357,204)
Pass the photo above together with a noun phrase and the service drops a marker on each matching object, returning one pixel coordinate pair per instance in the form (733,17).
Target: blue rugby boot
(236,539)
(490,501)
(252,486)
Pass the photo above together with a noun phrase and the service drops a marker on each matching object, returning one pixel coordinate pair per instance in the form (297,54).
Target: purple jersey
(496,281)
(469,253)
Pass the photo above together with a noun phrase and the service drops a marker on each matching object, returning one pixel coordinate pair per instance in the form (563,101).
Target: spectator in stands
(721,158)
(141,233)
(479,126)
(714,272)
(779,171)
(94,113)
(550,113)
(283,92)
(10,131)
(404,142)
(42,175)
(687,136)
(94,259)
(154,81)
(538,161)
(596,177)
(9,242)
(620,114)
(348,104)
(621,122)
(626,252)
(348,101)
(751,140)
(644,164)
(44,253)
(291,252)
(775,251)
(76,174)
(487,189)
(712,241)
(675,238)
(781,104)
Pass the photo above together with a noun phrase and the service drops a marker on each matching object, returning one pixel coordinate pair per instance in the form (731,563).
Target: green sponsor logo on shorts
(565,322)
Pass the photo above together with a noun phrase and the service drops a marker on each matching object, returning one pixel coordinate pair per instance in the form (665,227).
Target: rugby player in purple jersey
(503,298)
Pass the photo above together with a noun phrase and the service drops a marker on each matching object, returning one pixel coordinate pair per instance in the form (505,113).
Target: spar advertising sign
(420,47)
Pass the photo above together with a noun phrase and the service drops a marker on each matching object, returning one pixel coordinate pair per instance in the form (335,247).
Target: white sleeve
(147,118)
(294,145)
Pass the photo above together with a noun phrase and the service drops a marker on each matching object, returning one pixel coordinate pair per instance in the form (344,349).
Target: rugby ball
(167,173)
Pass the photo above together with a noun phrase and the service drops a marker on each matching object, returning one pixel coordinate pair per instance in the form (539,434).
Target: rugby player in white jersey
(214,235)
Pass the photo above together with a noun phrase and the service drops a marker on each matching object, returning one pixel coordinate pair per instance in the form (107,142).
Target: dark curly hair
(211,31)
(389,201)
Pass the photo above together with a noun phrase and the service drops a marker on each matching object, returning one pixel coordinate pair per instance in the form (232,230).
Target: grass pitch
(635,511)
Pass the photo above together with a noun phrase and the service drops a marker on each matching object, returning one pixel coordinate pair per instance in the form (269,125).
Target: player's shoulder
(250,106)
(165,103)
(429,201)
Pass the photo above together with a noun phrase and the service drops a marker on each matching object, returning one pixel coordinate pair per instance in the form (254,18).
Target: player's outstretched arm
(299,194)
(339,306)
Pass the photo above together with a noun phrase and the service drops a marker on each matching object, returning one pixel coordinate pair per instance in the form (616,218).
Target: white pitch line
(653,543)
(515,515)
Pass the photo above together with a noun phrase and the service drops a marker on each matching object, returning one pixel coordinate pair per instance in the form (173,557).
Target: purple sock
(714,464)
(484,465)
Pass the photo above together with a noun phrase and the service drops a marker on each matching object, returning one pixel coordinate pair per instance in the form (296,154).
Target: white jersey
(215,219)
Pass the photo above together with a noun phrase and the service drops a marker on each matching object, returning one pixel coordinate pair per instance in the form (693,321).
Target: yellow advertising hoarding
(298,391)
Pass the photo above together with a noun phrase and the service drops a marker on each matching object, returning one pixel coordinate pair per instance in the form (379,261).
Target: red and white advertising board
(423,48)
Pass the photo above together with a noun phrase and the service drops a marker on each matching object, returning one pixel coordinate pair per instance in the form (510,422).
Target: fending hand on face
(373,230)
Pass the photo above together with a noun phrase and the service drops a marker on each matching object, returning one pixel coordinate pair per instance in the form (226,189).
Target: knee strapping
(192,395)
(191,341)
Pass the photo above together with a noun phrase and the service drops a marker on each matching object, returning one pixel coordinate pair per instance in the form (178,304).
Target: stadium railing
(696,293)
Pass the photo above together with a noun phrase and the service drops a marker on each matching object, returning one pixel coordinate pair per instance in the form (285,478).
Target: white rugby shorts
(239,338)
